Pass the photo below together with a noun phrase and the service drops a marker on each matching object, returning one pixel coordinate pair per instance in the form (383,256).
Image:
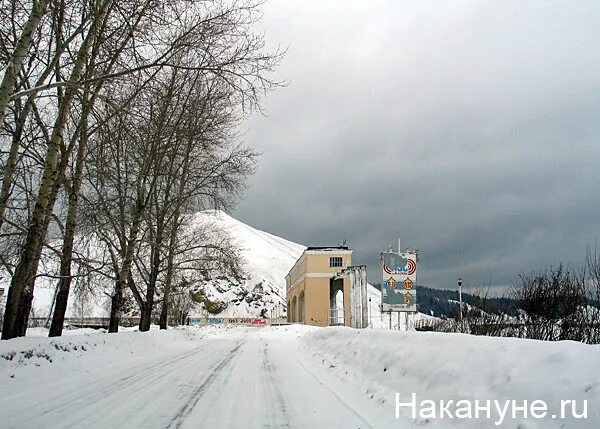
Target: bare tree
(80,60)
(185,159)
(21,291)
(19,54)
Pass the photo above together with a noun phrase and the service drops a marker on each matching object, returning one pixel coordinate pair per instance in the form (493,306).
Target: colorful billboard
(399,285)
(226,320)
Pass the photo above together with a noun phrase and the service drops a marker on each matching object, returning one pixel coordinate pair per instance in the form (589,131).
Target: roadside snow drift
(26,360)
(439,366)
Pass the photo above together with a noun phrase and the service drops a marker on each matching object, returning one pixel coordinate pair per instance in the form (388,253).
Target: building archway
(301,308)
(294,317)
(336,303)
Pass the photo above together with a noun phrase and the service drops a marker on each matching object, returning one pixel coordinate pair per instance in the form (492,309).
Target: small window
(335,261)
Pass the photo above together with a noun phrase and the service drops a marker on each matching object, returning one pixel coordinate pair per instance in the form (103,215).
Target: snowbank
(438,366)
(39,331)
(30,359)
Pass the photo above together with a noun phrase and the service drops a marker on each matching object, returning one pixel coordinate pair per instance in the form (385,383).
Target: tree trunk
(147,306)
(115,306)
(60,307)
(17,58)
(22,280)
(64,284)
(153,277)
(117,298)
(11,161)
(164,310)
(145,319)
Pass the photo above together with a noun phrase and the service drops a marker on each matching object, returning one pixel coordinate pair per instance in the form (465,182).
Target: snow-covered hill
(266,260)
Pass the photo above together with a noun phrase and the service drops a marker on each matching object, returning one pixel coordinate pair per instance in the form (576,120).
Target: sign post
(399,282)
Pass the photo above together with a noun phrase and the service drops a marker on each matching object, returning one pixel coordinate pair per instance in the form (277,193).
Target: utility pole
(399,251)
(460,282)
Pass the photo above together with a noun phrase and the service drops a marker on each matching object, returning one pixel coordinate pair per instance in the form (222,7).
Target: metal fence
(336,317)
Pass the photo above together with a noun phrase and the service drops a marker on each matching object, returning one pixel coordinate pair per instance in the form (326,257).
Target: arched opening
(301,307)
(336,303)
(294,308)
(289,312)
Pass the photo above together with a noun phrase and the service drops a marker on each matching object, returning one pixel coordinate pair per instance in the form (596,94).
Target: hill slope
(267,260)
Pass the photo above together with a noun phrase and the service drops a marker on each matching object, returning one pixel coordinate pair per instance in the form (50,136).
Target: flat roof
(327,248)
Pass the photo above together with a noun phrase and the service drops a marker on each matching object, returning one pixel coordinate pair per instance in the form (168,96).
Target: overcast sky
(469,129)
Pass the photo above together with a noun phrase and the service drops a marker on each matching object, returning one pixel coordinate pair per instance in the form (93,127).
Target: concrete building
(324,289)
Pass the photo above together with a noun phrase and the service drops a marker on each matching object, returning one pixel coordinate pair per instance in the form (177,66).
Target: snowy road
(246,378)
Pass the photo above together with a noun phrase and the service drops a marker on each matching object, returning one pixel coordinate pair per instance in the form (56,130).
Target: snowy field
(291,376)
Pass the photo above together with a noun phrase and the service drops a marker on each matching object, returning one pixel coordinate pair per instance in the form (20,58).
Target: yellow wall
(317,299)
(320,263)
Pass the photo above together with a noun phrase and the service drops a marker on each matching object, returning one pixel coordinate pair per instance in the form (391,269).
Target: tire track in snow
(134,412)
(280,419)
(334,393)
(197,394)
(82,404)
(143,384)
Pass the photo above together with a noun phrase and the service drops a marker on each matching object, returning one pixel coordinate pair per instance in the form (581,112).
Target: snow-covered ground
(291,376)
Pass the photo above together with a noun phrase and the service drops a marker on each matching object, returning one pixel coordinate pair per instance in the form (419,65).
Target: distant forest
(443,303)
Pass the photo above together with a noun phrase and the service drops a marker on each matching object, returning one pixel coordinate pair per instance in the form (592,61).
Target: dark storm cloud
(468,129)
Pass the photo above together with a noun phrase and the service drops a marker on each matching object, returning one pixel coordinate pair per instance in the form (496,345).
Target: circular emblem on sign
(412,267)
